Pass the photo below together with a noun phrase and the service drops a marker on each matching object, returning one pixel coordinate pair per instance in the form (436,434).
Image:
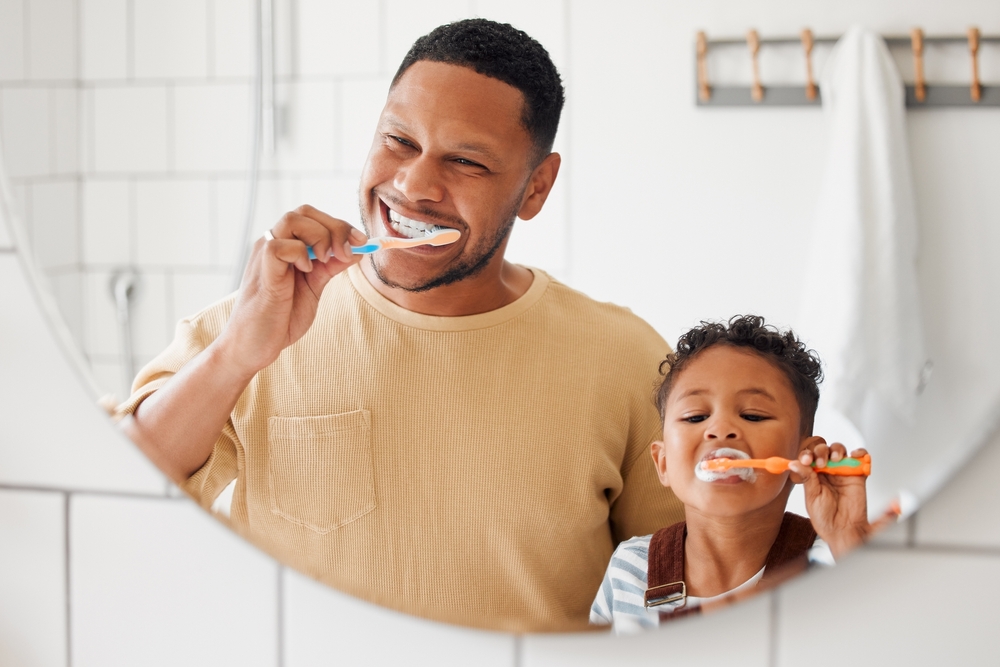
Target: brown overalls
(665,580)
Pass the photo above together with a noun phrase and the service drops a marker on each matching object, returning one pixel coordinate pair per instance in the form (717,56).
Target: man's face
(728,398)
(449,151)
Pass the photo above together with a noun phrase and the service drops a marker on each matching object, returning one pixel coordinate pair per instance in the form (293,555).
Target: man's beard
(466,267)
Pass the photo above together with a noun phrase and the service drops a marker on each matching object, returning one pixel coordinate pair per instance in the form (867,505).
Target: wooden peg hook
(976,90)
(917,43)
(807,46)
(753,42)
(704,90)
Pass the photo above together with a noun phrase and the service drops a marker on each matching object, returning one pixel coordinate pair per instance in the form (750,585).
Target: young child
(744,390)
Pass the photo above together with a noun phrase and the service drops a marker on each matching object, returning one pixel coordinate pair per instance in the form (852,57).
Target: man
(433,429)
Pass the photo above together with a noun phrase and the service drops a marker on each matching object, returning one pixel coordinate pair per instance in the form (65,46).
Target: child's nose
(722,428)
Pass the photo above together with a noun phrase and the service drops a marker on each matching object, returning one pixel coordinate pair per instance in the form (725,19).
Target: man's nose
(419,179)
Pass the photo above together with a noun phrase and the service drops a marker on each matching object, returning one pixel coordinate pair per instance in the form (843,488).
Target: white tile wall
(211,127)
(336,195)
(173,223)
(362,103)
(52,39)
(104,40)
(737,635)
(338,37)
(170,38)
(68,291)
(305,127)
(55,229)
(405,21)
(311,610)
(151,331)
(24,130)
(233,51)
(106,231)
(66,130)
(12,18)
(156,582)
(32,578)
(128,129)
(193,292)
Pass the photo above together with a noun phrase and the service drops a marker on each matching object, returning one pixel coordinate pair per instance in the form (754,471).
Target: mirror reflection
(449,430)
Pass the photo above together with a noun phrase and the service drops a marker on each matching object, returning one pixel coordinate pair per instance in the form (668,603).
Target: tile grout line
(86,492)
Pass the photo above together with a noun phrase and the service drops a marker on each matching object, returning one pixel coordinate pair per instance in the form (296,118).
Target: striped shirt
(619,602)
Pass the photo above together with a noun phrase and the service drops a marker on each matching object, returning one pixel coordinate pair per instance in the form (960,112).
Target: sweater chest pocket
(320,470)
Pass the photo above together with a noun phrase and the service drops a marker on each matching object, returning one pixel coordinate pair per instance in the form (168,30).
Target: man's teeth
(411,228)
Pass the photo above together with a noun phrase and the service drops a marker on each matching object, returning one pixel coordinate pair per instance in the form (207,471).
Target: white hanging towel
(861,304)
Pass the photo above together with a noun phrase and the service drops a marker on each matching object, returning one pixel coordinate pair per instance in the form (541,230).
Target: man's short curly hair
(500,51)
(800,365)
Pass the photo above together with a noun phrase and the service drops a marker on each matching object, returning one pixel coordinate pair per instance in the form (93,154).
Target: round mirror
(153,157)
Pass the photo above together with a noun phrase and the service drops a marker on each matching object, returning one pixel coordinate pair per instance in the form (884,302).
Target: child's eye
(754,418)
(694,419)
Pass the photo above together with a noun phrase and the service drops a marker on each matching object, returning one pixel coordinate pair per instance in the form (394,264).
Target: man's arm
(178,424)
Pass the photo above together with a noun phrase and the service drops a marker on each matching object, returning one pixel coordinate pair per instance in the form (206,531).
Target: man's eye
(401,140)
(469,163)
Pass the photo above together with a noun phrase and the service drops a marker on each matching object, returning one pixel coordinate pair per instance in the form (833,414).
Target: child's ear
(659,452)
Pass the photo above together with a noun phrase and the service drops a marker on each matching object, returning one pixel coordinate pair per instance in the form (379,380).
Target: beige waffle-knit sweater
(478,470)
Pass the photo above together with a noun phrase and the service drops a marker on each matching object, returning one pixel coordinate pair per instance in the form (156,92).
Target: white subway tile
(26,131)
(66,130)
(129,129)
(230,210)
(158,582)
(900,607)
(12,17)
(67,288)
(335,195)
(106,230)
(152,329)
(544,20)
(405,21)
(967,511)
(311,609)
(52,35)
(72,445)
(304,137)
(170,38)
(55,228)
(736,635)
(361,106)
(337,37)
(233,25)
(100,319)
(173,223)
(194,292)
(104,39)
(32,579)
(212,127)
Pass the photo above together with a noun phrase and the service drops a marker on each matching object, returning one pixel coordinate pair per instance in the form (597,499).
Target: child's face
(728,398)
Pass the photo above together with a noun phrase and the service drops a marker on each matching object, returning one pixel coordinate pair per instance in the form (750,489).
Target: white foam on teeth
(746,474)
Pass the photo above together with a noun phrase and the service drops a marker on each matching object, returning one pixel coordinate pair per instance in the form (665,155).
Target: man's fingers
(279,253)
(325,234)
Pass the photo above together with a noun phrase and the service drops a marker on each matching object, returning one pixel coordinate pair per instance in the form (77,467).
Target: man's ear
(659,452)
(539,186)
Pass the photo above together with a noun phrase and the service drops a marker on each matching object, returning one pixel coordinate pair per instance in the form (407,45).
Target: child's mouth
(731,476)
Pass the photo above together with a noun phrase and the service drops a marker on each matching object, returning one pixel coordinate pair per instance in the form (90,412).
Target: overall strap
(665,573)
(790,552)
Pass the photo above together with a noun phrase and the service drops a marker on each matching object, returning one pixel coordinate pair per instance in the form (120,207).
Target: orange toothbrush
(776,464)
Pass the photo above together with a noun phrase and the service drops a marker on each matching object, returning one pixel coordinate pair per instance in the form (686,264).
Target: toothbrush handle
(848,467)
(365,249)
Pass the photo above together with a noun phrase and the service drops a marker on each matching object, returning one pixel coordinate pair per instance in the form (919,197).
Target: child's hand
(837,505)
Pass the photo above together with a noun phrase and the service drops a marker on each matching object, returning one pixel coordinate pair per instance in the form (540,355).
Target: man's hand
(281,286)
(837,505)
(178,425)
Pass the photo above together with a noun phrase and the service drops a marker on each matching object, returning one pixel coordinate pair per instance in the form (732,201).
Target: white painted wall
(101,564)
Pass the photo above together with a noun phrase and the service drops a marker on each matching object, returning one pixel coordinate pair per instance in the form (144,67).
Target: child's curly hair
(800,365)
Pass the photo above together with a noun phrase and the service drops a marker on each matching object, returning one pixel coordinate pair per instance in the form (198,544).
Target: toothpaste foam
(746,474)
